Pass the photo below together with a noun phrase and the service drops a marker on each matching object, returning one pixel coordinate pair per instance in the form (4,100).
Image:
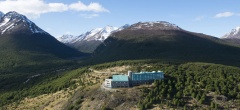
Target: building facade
(108,83)
(133,79)
(138,78)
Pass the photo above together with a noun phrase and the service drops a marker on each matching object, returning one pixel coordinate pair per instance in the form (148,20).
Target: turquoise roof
(119,78)
(154,72)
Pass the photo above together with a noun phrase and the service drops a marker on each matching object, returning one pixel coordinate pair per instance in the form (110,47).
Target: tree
(193,95)
(185,107)
(198,97)
(168,96)
(212,105)
(179,94)
(201,101)
(216,106)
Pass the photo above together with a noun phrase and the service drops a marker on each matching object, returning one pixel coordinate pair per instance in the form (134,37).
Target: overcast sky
(58,17)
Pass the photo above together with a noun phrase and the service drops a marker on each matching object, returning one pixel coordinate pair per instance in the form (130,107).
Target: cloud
(199,18)
(95,7)
(34,8)
(89,16)
(224,14)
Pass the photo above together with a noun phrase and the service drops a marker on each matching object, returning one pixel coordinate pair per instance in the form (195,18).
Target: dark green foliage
(193,80)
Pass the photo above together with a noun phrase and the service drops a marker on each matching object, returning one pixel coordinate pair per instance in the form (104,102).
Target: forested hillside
(186,86)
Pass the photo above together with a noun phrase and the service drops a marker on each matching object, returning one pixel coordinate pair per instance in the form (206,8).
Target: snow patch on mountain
(158,25)
(123,27)
(66,38)
(4,22)
(235,33)
(98,34)
(14,21)
(237,30)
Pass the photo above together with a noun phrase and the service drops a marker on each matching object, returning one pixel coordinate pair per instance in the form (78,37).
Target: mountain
(165,41)
(158,25)
(122,27)
(67,38)
(1,14)
(89,41)
(233,37)
(24,46)
(14,23)
(234,34)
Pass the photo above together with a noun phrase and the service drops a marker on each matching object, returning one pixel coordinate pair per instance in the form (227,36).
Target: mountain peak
(235,33)
(158,25)
(89,41)
(100,34)
(66,38)
(237,28)
(13,13)
(108,27)
(123,27)
(97,34)
(126,25)
(13,22)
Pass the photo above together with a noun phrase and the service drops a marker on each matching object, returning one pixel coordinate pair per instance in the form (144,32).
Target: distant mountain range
(23,44)
(89,41)
(166,41)
(143,40)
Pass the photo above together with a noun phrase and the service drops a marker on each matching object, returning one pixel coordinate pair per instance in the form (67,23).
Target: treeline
(134,63)
(194,81)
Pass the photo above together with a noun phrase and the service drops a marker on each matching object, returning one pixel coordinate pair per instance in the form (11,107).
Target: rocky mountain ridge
(235,33)
(13,22)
